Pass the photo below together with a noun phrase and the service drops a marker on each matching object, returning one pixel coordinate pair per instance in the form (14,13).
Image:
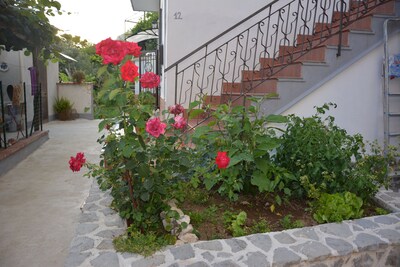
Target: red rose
(150,80)
(180,122)
(129,71)
(176,109)
(75,164)
(111,51)
(155,127)
(133,48)
(222,160)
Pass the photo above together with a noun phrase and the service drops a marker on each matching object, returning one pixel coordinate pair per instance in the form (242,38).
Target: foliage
(287,222)
(370,172)
(261,226)
(337,207)
(321,154)
(236,223)
(82,51)
(24,24)
(143,244)
(144,24)
(62,104)
(249,140)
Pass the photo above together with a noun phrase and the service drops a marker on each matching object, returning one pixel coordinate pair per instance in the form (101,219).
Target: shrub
(62,104)
(325,159)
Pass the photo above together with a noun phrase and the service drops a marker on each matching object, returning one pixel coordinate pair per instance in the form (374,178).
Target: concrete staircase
(306,72)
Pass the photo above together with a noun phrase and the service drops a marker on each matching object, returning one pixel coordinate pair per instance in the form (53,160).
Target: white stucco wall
(358,93)
(52,80)
(81,96)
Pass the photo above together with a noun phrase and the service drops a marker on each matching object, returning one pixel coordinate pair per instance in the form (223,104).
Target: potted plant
(63,108)
(78,76)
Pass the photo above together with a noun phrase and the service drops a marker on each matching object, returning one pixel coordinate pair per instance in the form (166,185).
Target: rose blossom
(155,127)
(133,48)
(180,122)
(129,71)
(222,160)
(75,164)
(111,51)
(150,80)
(176,109)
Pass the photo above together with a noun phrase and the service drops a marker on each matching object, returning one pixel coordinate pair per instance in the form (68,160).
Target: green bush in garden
(324,158)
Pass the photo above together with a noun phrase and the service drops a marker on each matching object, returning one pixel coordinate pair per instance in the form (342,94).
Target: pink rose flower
(155,127)
(180,122)
(150,80)
(129,71)
(222,160)
(76,163)
(176,109)
(111,51)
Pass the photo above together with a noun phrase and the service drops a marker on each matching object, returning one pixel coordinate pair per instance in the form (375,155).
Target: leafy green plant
(142,243)
(337,207)
(235,223)
(324,158)
(261,226)
(287,223)
(62,104)
(249,139)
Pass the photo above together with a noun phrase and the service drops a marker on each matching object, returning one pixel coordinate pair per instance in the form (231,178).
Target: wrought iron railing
(21,119)
(285,31)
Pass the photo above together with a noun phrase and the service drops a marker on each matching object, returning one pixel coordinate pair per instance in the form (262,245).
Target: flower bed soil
(257,208)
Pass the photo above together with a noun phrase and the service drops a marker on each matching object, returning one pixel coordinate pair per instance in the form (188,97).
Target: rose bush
(139,160)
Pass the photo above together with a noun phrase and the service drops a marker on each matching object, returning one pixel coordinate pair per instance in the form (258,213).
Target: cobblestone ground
(349,243)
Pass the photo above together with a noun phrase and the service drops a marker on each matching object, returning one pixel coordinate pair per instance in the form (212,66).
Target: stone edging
(372,241)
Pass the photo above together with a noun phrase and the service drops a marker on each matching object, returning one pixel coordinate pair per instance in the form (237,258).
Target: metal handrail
(284,34)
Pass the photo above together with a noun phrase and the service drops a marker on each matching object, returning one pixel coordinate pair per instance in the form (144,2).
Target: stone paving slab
(372,241)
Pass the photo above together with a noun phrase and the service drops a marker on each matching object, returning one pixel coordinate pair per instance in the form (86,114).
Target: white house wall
(191,23)
(358,94)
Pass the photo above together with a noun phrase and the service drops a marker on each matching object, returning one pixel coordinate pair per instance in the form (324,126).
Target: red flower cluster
(129,71)
(114,51)
(155,127)
(75,164)
(180,122)
(176,109)
(222,160)
(150,80)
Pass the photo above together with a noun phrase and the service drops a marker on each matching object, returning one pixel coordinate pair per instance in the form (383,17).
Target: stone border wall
(372,241)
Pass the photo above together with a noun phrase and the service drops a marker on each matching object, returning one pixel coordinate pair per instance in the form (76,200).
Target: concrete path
(40,198)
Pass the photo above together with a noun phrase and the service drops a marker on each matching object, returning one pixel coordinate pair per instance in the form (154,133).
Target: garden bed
(211,215)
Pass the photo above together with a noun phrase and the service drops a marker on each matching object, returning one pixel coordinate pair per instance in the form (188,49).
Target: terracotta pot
(65,115)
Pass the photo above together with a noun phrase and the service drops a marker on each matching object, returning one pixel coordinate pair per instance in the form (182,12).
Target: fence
(21,114)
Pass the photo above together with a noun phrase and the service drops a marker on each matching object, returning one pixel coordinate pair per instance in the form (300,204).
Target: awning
(142,36)
(146,5)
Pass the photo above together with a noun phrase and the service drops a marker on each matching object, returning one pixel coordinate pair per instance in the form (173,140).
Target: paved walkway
(40,198)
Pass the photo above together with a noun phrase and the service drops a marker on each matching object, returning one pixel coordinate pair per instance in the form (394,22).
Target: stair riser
(318,39)
(273,71)
(287,53)
(264,87)
(384,9)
